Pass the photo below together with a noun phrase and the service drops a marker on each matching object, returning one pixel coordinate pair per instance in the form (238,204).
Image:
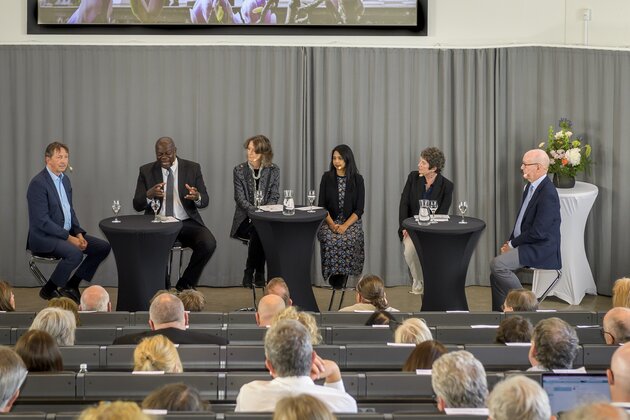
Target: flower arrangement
(567,156)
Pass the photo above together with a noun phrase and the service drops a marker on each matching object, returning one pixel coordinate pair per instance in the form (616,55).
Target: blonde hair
(371,288)
(302,407)
(5,297)
(193,300)
(412,330)
(157,353)
(119,410)
(621,293)
(303,318)
(67,304)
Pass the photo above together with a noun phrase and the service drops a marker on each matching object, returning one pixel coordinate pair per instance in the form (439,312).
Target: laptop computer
(567,391)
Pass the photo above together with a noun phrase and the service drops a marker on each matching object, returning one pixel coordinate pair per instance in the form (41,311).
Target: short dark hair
(434,157)
(5,296)
(53,147)
(382,318)
(521,300)
(423,356)
(556,343)
(175,397)
(39,351)
(514,329)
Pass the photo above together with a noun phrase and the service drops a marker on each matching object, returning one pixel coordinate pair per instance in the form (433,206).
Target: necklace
(256,177)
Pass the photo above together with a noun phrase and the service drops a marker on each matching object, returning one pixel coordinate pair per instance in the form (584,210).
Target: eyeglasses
(604,333)
(529,164)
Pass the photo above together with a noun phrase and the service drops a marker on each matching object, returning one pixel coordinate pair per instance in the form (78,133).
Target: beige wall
(452,23)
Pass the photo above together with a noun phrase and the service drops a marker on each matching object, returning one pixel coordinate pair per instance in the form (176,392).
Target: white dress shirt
(262,396)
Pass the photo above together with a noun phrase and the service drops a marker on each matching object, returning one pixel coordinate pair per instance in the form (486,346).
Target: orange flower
(565,161)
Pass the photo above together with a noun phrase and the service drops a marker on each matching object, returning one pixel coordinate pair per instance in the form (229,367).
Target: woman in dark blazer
(429,184)
(342,193)
(258,173)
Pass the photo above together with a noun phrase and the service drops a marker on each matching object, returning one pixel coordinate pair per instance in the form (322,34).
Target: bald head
(619,374)
(95,298)
(166,311)
(538,156)
(616,325)
(268,307)
(535,164)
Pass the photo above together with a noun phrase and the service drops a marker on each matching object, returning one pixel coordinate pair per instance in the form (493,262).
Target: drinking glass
(116,209)
(288,205)
(433,206)
(423,214)
(463,206)
(258,198)
(310,196)
(155,205)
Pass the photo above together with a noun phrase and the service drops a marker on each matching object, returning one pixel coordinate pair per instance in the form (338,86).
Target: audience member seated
(554,345)
(7,298)
(519,397)
(95,299)
(193,300)
(412,331)
(67,304)
(303,318)
(621,293)
(370,296)
(39,351)
(382,318)
(277,286)
(294,366)
(595,411)
(459,381)
(117,410)
(616,325)
(175,397)
(514,329)
(619,376)
(423,356)
(268,307)
(520,300)
(12,376)
(156,353)
(302,407)
(57,322)
(168,318)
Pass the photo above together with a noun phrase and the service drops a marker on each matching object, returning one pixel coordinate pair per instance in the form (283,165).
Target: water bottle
(423,215)
(288,205)
(83,368)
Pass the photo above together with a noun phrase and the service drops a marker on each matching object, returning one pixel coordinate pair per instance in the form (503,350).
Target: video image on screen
(403,13)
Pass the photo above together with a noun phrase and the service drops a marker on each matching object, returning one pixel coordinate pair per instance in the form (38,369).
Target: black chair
(538,276)
(34,259)
(177,247)
(338,282)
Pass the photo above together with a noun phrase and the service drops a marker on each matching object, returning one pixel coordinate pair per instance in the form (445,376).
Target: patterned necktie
(170,185)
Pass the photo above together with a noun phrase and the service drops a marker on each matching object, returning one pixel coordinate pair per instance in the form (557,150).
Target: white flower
(552,161)
(574,156)
(541,144)
(559,135)
(569,134)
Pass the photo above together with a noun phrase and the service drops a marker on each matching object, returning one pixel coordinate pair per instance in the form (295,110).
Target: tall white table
(577,278)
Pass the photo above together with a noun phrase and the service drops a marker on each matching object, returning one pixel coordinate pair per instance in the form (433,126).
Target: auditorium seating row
(126,319)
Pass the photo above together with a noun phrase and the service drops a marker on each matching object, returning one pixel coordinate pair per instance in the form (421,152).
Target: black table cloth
(141,249)
(444,250)
(288,242)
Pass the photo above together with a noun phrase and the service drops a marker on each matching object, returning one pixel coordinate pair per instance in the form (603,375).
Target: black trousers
(255,251)
(203,244)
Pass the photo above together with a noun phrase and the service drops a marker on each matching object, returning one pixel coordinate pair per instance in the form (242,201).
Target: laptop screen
(571,390)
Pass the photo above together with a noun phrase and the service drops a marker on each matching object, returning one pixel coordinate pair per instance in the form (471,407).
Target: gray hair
(95,298)
(288,348)
(518,397)
(166,308)
(459,379)
(12,374)
(59,323)
(556,343)
(412,330)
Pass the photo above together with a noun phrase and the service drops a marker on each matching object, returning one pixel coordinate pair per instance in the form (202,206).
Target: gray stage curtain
(482,107)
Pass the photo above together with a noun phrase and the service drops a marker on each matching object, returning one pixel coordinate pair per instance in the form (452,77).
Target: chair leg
(39,276)
(332,298)
(181,257)
(167,280)
(254,296)
(551,286)
(343,291)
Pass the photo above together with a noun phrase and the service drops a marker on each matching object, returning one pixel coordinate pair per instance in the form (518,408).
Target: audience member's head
(459,381)
(67,304)
(193,300)
(175,397)
(616,325)
(268,307)
(621,293)
(371,289)
(117,410)
(519,397)
(7,298)
(520,300)
(39,351)
(595,411)
(382,318)
(57,322)
(12,375)
(303,318)
(514,329)
(424,355)
(95,298)
(554,344)
(167,311)
(619,375)
(302,407)
(288,349)
(156,353)
(412,330)
(277,286)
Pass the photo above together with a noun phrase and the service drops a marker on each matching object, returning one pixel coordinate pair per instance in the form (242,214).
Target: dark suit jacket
(45,216)
(176,335)
(415,186)
(187,173)
(354,199)
(538,244)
